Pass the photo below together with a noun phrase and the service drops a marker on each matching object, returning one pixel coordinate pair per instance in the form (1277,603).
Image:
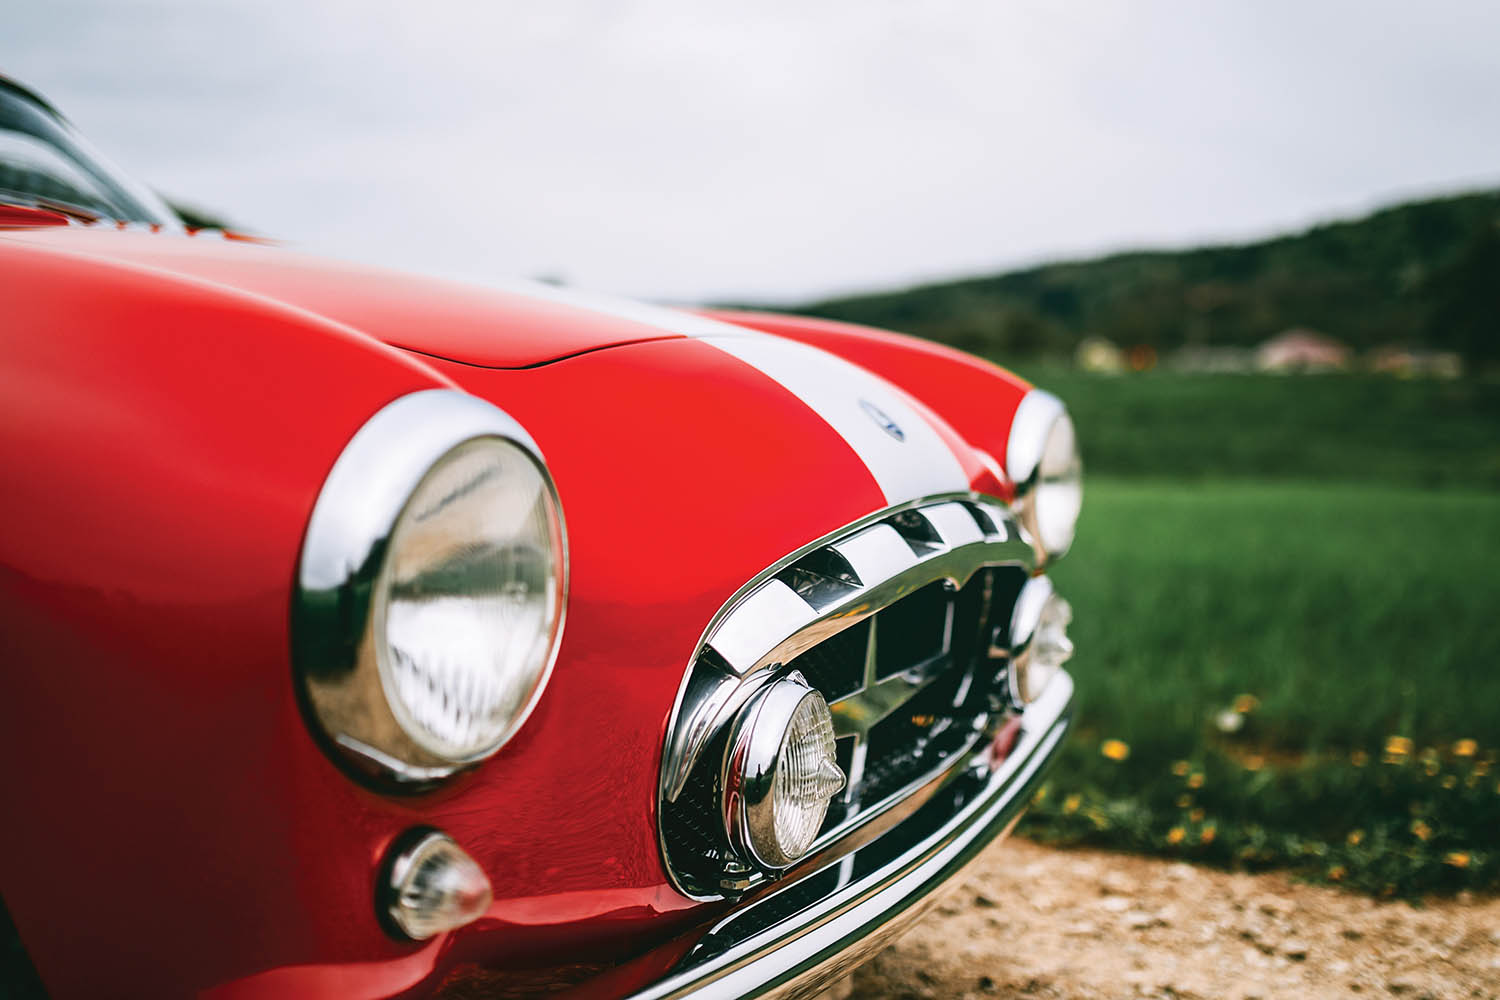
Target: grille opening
(821,578)
(836,666)
(913,630)
(917,531)
(915,740)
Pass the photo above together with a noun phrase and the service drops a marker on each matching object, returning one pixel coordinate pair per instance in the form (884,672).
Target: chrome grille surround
(781,621)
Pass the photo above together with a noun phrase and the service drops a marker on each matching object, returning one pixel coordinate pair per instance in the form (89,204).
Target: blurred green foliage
(1275,639)
(1419,274)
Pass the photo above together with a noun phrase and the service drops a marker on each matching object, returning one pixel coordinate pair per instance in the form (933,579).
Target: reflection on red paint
(26,217)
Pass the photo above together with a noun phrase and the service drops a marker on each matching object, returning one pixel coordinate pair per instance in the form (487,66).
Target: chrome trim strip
(796,955)
(343,553)
(768,623)
(773,608)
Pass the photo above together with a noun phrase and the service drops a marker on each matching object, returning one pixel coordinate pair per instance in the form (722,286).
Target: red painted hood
(491,327)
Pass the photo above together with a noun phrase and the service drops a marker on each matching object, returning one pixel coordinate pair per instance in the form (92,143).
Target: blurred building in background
(1302,350)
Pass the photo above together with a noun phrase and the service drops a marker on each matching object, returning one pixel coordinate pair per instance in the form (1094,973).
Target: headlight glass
(470,602)
(1058,491)
(806,778)
(780,773)
(431,590)
(1042,460)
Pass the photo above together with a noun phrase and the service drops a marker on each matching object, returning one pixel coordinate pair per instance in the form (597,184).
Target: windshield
(45,163)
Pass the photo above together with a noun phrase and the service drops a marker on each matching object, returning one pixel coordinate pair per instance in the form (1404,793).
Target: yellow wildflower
(1195,780)
(1465,748)
(1208,834)
(1041,793)
(1355,837)
(1254,762)
(1071,803)
(1449,780)
(1196,816)
(1337,873)
(1482,768)
(1183,801)
(1115,749)
(1176,835)
(1430,766)
(1398,746)
(1458,859)
(1245,703)
(1420,829)
(1181,768)
(1359,758)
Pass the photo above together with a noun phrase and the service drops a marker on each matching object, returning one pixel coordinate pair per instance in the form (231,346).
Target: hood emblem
(886,424)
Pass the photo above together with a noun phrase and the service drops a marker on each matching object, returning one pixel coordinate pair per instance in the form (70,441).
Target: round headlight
(1042,460)
(780,772)
(432,587)
(469,605)
(1039,643)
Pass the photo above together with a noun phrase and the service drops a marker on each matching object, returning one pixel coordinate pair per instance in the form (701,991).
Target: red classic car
(367,634)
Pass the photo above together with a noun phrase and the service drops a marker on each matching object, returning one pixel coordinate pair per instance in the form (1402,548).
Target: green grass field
(1351,620)
(1324,428)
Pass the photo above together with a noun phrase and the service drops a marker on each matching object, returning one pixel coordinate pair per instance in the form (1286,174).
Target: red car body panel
(169,408)
(480,326)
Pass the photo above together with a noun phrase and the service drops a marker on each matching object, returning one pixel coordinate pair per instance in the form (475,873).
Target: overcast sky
(690,149)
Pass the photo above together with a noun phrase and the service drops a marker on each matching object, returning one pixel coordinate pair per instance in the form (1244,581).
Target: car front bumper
(799,938)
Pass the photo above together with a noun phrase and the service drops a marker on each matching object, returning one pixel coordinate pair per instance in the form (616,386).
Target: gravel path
(1030,921)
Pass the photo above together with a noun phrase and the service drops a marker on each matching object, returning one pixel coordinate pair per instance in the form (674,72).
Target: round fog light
(780,773)
(1039,643)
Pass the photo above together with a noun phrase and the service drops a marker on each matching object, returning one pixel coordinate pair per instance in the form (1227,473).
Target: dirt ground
(1029,921)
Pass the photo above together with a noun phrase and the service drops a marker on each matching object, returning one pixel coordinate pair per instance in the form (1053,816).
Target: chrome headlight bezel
(338,605)
(754,762)
(1039,643)
(1041,423)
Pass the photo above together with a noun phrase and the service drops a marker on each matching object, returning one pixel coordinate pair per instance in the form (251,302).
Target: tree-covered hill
(1422,274)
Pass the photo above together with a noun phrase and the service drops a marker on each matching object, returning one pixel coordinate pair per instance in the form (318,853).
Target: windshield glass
(45,163)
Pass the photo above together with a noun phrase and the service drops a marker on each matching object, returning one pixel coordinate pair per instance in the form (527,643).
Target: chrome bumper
(801,938)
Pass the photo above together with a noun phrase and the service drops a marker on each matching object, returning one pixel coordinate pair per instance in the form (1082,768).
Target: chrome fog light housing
(432,586)
(1039,643)
(431,885)
(1043,462)
(780,772)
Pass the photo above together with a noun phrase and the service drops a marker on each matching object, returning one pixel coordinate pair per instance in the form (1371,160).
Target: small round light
(1039,643)
(780,773)
(470,602)
(1043,461)
(432,886)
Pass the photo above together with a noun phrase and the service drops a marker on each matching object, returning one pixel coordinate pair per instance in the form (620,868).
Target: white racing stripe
(908,460)
(905,455)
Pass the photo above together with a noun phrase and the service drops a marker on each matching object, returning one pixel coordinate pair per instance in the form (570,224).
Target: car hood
(506,324)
